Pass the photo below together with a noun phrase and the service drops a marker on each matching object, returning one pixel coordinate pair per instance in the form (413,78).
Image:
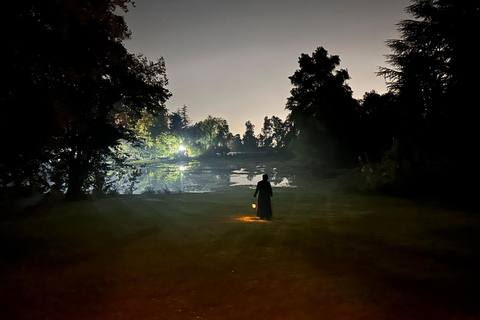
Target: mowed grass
(325,255)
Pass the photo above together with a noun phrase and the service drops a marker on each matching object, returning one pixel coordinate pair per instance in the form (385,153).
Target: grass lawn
(324,255)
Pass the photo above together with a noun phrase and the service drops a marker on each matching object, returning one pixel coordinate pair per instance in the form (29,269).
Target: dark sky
(232,59)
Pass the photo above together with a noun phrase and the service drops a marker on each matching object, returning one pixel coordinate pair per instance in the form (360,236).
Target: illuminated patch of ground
(249,219)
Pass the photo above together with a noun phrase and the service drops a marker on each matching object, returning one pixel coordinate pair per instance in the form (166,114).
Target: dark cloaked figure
(264,190)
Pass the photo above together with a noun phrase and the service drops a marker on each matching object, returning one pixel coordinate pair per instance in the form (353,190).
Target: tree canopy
(433,72)
(72,89)
(321,105)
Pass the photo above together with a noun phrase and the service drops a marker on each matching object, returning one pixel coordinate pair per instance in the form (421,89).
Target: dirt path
(204,256)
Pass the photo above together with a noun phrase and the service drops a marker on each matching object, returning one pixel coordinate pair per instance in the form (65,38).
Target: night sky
(232,59)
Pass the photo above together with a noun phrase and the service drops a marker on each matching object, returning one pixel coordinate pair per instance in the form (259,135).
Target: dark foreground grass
(325,255)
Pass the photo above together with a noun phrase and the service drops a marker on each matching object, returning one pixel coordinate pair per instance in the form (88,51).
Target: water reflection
(196,177)
(243,178)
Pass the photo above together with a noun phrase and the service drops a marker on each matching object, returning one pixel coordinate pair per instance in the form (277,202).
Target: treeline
(172,135)
(419,135)
(77,104)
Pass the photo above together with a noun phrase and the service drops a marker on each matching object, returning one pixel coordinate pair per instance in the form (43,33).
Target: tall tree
(274,133)
(434,71)
(176,126)
(280,132)
(321,105)
(265,138)
(73,89)
(185,118)
(179,121)
(250,142)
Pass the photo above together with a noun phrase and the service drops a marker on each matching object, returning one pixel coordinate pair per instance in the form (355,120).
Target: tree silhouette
(281,132)
(179,121)
(73,90)
(377,123)
(250,142)
(433,72)
(274,133)
(235,143)
(184,116)
(265,137)
(176,125)
(321,105)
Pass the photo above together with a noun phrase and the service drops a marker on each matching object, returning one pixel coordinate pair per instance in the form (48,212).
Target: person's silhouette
(264,191)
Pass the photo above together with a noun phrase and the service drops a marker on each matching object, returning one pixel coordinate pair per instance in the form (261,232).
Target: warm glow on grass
(249,219)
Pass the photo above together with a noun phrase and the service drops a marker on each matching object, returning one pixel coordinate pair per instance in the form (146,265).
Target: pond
(206,176)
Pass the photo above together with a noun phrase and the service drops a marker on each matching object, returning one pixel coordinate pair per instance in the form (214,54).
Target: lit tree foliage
(214,134)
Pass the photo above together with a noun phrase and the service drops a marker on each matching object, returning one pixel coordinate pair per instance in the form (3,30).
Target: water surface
(201,177)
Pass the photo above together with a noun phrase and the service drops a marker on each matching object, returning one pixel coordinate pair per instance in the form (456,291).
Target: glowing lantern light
(254,206)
